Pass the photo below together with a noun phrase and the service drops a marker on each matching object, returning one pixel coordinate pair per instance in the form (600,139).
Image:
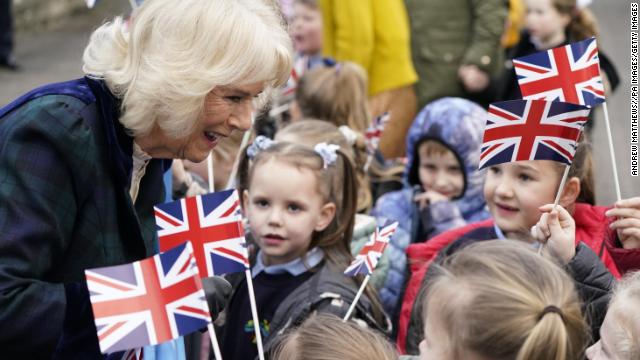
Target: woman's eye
(235,99)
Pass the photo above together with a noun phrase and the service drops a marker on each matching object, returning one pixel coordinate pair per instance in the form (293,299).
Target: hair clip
(327,152)
(260,143)
(348,134)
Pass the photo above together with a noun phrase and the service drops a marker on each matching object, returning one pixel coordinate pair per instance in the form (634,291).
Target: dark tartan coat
(65,169)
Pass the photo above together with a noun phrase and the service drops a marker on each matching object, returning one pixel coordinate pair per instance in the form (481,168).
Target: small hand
(473,79)
(557,229)
(428,197)
(627,225)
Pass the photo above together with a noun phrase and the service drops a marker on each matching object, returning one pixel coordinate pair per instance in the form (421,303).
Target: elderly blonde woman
(81,162)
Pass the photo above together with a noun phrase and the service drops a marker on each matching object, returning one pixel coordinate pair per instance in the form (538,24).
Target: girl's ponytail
(549,338)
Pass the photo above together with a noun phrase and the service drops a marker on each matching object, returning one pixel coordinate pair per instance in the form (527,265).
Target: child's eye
(294,207)
(261,203)
(454,169)
(495,170)
(429,167)
(525,177)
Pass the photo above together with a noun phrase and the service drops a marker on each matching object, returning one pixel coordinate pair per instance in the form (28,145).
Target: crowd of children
(482,265)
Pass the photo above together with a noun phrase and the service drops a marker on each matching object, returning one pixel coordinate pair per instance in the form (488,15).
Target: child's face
(440,173)
(544,22)
(306,29)
(605,348)
(514,192)
(284,208)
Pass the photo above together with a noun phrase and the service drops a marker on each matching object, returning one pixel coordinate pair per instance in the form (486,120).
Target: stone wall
(34,14)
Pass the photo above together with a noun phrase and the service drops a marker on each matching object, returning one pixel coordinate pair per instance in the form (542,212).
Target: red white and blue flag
(531,130)
(569,73)
(213,224)
(367,260)
(374,132)
(147,302)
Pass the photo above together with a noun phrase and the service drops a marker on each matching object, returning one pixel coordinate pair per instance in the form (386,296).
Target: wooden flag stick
(254,313)
(613,155)
(368,163)
(558,194)
(236,162)
(355,300)
(210,172)
(214,342)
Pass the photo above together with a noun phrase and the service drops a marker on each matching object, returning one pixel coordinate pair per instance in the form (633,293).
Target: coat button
(485,60)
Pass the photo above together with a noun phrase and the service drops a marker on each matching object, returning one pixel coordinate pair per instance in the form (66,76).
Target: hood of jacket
(458,124)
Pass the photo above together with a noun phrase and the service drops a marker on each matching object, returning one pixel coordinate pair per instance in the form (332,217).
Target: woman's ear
(327,213)
(570,192)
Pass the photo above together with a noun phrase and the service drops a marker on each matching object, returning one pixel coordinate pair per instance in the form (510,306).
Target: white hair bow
(327,152)
(260,143)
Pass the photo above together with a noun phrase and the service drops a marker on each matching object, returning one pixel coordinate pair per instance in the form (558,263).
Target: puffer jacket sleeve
(594,284)
(395,206)
(445,216)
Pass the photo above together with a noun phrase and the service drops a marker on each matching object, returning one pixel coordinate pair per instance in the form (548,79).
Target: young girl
(549,24)
(311,132)
(501,300)
(324,337)
(514,193)
(620,331)
(291,200)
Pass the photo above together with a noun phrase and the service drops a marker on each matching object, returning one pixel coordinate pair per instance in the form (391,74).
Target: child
(323,337)
(444,187)
(311,132)
(500,300)
(514,193)
(306,29)
(549,24)
(338,95)
(291,200)
(620,331)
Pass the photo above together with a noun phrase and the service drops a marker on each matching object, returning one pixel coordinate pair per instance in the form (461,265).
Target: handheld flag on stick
(367,260)
(569,73)
(372,136)
(213,224)
(149,301)
(531,130)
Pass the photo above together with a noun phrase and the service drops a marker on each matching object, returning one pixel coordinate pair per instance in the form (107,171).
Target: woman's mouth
(212,138)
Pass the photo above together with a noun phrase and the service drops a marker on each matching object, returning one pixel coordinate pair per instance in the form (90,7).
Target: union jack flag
(213,224)
(147,302)
(366,261)
(374,132)
(531,130)
(569,73)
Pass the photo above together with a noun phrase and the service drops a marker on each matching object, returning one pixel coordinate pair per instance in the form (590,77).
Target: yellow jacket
(374,34)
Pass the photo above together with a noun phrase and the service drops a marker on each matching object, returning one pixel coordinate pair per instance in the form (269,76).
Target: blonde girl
(500,300)
(291,194)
